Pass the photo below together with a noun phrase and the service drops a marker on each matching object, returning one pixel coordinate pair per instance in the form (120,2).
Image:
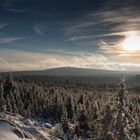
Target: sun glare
(132,42)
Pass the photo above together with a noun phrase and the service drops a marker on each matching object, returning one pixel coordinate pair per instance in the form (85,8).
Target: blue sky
(41,34)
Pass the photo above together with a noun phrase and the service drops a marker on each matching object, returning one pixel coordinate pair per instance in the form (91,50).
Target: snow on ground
(16,127)
(9,131)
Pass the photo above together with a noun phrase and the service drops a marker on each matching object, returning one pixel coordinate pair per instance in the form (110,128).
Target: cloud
(4,64)
(38,31)
(2,25)
(40,28)
(1,59)
(16,10)
(11,5)
(104,45)
(91,37)
(104,23)
(4,40)
(7,3)
(20,60)
(110,46)
(104,30)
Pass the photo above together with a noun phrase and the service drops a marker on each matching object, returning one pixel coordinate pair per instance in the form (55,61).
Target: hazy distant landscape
(71,71)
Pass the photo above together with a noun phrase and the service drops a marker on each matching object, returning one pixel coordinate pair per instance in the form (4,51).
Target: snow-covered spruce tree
(2,100)
(18,101)
(83,125)
(64,119)
(69,107)
(8,105)
(123,119)
(9,90)
(9,84)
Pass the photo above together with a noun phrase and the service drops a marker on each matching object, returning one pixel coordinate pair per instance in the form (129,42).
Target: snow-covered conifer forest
(34,108)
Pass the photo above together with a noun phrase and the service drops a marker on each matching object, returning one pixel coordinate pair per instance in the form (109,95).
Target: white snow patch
(9,132)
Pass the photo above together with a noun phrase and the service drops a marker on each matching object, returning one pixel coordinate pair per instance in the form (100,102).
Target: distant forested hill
(70,71)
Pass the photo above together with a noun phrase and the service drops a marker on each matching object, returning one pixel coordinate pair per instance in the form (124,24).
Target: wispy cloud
(16,10)
(1,59)
(2,25)
(7,3)
(110,47)
(4,40)
(87,37)
(10,5)
(104,23)
(40,28)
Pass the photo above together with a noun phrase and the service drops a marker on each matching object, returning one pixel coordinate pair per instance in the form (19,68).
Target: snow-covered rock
(27,135)
(48,125)
(28,122)
(32,130)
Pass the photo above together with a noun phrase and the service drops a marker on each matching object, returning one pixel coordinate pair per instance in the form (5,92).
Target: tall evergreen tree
(2,100)
(9,85)
(64,120)
(8,103)
(9,89)
(69,107)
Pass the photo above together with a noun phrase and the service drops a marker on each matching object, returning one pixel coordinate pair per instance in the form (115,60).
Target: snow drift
(9,132)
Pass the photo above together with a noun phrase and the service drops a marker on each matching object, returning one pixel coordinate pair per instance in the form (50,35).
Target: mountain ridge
(73,71)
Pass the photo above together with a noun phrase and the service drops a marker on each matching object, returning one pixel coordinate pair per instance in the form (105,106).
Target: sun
(132,42)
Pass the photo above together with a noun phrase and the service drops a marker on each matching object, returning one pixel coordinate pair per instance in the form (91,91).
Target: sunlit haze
(132,42)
